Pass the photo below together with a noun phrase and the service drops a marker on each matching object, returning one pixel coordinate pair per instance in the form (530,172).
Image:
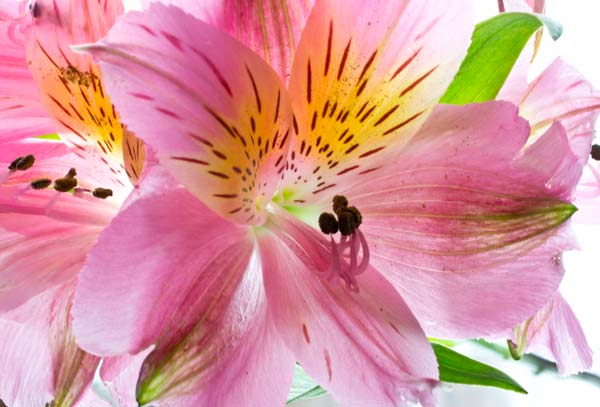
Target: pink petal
(21,113)
(465,226)
(41,149)
(71,85)
(270,28)
(39,253)
(194,295)
(224,110)
(253,366)
(120,375)
(587,195)
(25,364)
(562,93)
(182,232)
(365,348)
(53,368)
(73,369)
(45,235)
(364,79)
(556,332)
(91,399)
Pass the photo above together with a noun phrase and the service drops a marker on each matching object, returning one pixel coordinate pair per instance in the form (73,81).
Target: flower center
(349,256)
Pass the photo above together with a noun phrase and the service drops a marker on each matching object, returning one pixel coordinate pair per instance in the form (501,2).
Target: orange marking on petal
(404,123)
(344,58)
(167,112)
(405,64)
(367,65)
(190,160)
(255,89)
(328,364)
(305,333)
(418,81)
(176,42)
(328,55)
(344,171)
(371,152)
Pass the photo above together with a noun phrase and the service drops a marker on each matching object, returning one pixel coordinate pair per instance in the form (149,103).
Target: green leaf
(495,46)
(454,368)
(457,368)
(303,387)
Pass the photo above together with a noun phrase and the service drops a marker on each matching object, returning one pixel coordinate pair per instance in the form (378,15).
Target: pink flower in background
(45,230)
(562,94)
(559,94)
(555,333)
(233,281)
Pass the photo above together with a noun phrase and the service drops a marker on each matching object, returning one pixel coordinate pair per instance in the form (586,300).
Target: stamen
(22,163)
(102,193)
(340,202)
(346,220)
(65,184)
(328,223)
(595,153)
(345,255)
(71,174)
(41,183)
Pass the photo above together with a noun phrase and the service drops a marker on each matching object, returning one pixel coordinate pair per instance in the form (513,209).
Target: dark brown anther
(596,152)
(328,223)
(65,184)
(22,163)
(347,223)
(102,193)
(355,214)
(41,183)
(340,202)
(71,174)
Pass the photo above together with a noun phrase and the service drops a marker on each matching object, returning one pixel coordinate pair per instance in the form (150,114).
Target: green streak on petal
(151,388)
(49,137)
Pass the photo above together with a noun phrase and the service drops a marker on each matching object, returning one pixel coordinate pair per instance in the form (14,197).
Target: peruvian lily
(55,197)
(232,280)
(561,94)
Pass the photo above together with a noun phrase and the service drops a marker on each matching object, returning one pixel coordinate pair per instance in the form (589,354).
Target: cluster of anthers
(349,256)
(68,183)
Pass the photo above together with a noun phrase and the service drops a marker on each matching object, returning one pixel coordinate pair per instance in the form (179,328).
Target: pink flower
(233,281)
(559,94)
(556,334)
(45,230)
(21,113)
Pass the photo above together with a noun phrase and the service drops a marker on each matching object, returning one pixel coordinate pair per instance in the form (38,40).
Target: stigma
(350,255)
